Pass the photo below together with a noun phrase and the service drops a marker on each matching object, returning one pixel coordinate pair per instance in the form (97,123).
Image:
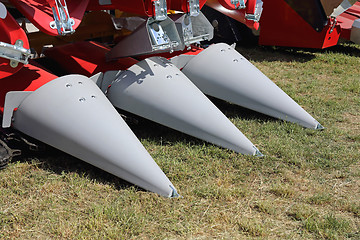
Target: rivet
(82,99)
(68,85)
(14,64)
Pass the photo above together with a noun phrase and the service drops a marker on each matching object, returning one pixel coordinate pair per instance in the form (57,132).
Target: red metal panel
(238,14)
(182,5)
(40,14)
(10,31)
(355,9)
(140,7)
(290,29)
(250,9)
(227,4)
(86,58)
(29,78)
(347,19)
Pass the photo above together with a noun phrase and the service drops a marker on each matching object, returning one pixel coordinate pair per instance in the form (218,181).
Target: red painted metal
(227,4)
(347,19)
(237,14)
(40,14)
(250,9)
(140,7)
(182,5)
(29,78)
(290,29)
(86,58)
(250,6)
(10,32)
(194,50)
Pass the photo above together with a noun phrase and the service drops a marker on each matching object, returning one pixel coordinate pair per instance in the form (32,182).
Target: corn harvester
(143,57)
(315,24)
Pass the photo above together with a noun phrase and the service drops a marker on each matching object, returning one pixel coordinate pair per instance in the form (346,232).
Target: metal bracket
(257,13)
(150,37)
(239,4)
(15,53)
(160,10)
(63,23)
(192,34)
(333,22)
(159,39)
(187,29)
(193,29)
(194,8)
(252,17)
(13,100)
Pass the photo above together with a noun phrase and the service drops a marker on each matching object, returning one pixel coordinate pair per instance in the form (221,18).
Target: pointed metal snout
(155,89)
(72,114)
(149,38)
(220,71)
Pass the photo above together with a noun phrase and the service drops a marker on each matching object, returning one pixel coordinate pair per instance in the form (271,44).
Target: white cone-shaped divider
(220,71)
(157,90)
(72,114)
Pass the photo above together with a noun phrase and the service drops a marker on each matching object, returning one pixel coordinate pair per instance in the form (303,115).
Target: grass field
(306,187)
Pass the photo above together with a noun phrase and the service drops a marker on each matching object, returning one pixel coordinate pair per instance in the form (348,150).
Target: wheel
(5,155)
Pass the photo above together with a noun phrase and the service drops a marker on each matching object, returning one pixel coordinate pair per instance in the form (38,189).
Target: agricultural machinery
(144,57)
(290,23)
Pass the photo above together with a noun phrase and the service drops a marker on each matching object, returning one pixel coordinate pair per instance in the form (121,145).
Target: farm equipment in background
(290,23)
(142,57)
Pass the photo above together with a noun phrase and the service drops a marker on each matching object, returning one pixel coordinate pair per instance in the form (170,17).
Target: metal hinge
(15,53)
(257,14)
(239,4)
(63,23)
(159,38)
(195,29)
(160,10)
(194,8)
(333,22)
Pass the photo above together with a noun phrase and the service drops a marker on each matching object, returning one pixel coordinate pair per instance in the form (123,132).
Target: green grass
(306,187)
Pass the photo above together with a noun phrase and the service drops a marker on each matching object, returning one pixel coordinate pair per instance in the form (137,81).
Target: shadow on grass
(272,54)
(345,48)
(58,162)
(53,160)
(293,54)
(235,111)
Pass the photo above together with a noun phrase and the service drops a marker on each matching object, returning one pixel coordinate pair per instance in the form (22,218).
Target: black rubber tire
(5,155)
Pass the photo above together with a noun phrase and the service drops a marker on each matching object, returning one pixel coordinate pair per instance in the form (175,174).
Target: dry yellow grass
(306,187)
